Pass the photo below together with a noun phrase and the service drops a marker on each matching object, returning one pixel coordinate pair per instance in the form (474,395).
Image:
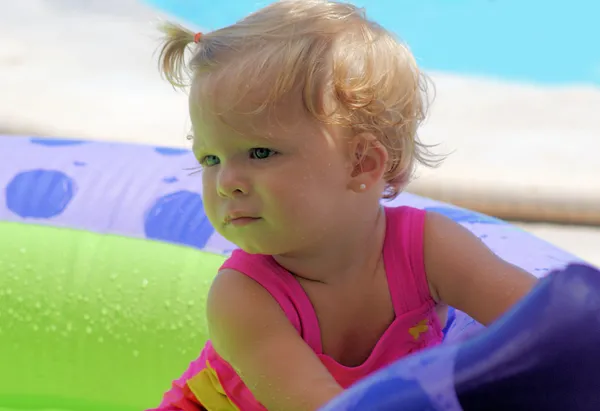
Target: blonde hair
(351,72)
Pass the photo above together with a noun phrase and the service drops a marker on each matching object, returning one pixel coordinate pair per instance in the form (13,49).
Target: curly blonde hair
(350,71)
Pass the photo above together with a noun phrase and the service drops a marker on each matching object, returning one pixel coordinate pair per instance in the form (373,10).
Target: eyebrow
(197,147)
(250,139)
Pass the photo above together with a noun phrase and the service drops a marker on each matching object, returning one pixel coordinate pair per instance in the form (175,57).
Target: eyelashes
(256,153)
(193,170)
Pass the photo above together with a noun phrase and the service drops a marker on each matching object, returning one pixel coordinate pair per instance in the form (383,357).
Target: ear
(369,160)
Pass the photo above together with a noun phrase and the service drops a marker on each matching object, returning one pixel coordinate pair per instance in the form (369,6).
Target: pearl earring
(362,187)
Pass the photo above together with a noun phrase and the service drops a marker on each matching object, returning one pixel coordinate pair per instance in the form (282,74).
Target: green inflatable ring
(85,307)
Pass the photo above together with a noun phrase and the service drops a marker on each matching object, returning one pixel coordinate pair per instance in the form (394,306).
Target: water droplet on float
(100,340)
(113,276)
(88,329)
(144,283)
(22,250)
(35,327)
(136,353)
(104,311)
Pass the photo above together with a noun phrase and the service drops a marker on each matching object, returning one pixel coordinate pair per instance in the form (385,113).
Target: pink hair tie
(197,37)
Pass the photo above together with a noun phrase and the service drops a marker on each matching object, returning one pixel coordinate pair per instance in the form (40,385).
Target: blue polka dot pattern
(465,216)
(178,218)
(169,151)
(39,193)
(56,142)
(449,320)
(170,180)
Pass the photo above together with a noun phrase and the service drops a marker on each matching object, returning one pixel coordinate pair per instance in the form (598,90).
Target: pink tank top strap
(284,288)
(403,256)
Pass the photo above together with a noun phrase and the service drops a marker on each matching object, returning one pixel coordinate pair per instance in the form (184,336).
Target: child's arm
(464,273)
(251,332)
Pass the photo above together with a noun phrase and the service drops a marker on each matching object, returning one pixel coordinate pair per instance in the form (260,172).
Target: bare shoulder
(229,287)
(464,273)
(236,308)
(251,332)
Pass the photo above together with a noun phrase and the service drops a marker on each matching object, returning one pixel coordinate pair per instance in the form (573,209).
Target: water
(537,41)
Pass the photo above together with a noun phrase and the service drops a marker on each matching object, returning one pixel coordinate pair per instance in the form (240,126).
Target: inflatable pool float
(106,257)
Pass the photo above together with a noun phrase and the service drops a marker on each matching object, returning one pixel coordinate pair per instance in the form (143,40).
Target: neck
(346,253)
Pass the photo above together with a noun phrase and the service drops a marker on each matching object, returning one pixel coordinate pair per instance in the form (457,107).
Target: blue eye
(209,161)
(260,153)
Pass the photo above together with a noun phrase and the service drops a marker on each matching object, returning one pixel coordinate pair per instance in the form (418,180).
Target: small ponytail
(171,60)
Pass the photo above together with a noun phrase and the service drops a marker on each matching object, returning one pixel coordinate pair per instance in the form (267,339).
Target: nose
(231,182)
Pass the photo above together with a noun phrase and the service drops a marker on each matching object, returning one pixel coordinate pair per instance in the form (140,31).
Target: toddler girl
(305,115)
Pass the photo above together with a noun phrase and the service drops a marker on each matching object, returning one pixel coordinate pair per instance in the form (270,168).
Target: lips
(242,221)
(240,218)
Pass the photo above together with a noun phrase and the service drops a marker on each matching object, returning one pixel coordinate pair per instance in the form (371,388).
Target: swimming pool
(530,41)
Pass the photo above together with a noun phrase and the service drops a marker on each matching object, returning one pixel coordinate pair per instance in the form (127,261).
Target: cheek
(292,184)
(209,194)
(300,194)
(208,183)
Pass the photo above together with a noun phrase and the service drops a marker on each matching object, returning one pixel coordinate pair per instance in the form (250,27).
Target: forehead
(219,116)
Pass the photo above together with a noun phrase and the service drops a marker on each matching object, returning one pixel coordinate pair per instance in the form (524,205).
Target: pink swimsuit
(211,384)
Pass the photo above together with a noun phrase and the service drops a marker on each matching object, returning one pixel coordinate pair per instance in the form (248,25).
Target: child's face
(275,191)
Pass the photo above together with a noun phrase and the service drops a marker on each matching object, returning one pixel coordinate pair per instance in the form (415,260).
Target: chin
(261,248)
(257,250)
